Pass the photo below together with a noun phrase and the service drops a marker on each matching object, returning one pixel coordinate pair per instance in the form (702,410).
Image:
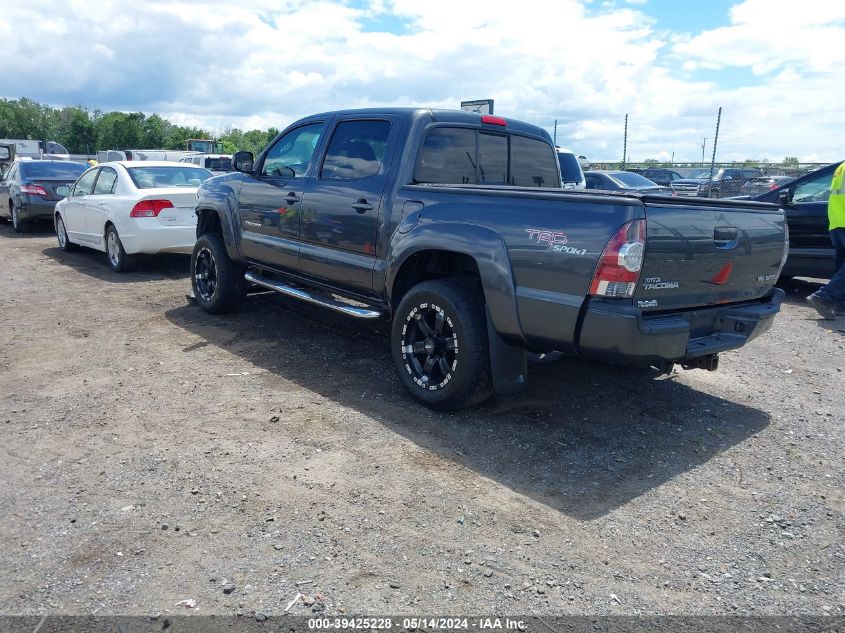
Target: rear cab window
(457,155)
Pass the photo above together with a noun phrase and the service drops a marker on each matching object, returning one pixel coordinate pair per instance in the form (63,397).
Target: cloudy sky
(775,66)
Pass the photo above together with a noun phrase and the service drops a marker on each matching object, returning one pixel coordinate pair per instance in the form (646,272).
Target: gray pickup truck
(454,226)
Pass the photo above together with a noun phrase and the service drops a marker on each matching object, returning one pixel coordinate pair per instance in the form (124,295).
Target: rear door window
(356,150)
(106,182)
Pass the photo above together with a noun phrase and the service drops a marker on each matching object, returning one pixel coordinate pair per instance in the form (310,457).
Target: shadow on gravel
(798,288)
(584,439)
(150,267)
(38,229)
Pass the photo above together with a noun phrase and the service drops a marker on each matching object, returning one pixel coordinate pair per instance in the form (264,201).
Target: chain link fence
(724,180)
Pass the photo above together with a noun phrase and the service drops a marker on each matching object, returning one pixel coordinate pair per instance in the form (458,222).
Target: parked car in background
(727,181)
(571,174)
(127,208)
(660,175)
(763,184)
(804,200)
(623,181)
(215,163)
(28,190)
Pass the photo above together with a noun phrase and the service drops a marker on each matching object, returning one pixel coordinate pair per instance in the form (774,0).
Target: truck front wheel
(439,343)
(218,282)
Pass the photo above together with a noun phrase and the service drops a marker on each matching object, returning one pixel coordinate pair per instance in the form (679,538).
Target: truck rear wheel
(218,282)
(439,344)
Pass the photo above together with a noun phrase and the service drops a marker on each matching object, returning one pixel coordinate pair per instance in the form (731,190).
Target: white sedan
(128,207)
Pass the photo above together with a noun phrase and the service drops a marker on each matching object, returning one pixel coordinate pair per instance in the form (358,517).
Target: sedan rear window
(633,180)
(176,176)
(59,171)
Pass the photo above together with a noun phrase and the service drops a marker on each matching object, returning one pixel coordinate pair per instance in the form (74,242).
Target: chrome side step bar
(304,295)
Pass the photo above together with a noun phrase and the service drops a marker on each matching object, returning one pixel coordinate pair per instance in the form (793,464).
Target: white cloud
(261,63)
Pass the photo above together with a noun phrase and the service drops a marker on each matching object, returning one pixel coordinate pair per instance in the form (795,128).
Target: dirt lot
(152,453)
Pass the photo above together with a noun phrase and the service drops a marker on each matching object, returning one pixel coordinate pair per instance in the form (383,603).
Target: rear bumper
(147,235)
(36,209)
(623,334)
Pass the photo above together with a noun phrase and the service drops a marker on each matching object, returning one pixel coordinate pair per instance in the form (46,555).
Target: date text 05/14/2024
(414,623)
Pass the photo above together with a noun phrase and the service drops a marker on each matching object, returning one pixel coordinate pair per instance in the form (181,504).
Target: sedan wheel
(113,247)
(17,223)
(119,261)
(61,234)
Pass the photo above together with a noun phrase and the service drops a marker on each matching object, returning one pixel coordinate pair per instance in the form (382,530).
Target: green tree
(155,132)
(791,161)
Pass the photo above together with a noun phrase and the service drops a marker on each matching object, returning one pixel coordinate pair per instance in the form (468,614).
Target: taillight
(149,208)
(773,186)
(35,190)
(493,120)
(785,248)
(619,268)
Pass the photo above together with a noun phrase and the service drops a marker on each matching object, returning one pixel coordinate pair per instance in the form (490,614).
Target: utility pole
(625,143)
(715,143)
(703,145)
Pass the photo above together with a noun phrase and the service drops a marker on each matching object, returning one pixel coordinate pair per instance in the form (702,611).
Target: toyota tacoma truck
(726,182)
(454,226)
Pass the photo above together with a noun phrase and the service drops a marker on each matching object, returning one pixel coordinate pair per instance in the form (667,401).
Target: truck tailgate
(704,252)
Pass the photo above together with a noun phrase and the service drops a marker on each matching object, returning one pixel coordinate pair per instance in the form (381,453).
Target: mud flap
(508,364)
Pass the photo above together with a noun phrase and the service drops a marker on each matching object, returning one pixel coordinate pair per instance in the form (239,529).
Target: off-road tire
(227,290)
(461,342)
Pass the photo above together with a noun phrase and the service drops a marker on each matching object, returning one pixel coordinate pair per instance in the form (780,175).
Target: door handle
(292,198)
(726,236)
(101,204)
(362,206)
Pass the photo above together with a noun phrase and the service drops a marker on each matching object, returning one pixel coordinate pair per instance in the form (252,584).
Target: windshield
(633,180)
(218,164)
(570,170)
(55,148)
(60,171)
(702,173)
(160,177)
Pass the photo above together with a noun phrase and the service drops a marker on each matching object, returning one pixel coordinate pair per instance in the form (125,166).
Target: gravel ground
(152,453)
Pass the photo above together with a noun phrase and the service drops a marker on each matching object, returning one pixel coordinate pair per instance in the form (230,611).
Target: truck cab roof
(441,116)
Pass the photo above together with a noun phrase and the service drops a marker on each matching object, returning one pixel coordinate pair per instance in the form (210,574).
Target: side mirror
(243,161)
(785,198)
(63,191)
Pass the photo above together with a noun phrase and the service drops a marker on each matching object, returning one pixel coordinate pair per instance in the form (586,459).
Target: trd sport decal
(556,240)
(547,237)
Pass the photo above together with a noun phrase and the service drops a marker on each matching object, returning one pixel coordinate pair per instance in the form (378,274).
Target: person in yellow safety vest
(829,300)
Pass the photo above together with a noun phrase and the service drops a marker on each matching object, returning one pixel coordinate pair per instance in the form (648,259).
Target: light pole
(703,145)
